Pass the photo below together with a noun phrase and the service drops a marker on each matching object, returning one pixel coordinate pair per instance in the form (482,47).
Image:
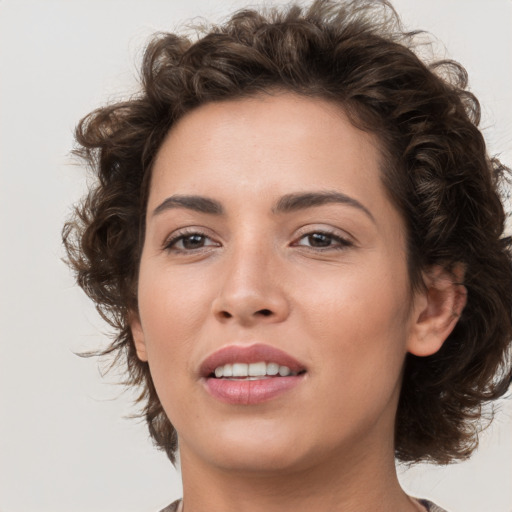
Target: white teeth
(257,369)
(260,369)
(272,369)
(284,371)
(240,370)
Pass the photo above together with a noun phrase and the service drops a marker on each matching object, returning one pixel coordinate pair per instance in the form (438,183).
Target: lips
(249,354)
(248,391)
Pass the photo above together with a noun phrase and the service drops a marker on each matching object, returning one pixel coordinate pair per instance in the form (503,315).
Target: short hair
(435,168)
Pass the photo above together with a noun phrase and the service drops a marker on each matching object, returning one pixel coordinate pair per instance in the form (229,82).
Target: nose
(251,289)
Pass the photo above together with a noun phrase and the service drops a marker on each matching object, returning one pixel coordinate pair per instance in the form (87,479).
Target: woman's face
(270,239)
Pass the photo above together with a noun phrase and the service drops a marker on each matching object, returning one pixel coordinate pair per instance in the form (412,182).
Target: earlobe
(138,335)
(437,309)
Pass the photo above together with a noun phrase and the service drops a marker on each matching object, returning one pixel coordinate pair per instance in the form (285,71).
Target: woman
(297,233)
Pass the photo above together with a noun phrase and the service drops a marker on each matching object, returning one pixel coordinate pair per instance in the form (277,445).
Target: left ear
(437,309)
(138,335)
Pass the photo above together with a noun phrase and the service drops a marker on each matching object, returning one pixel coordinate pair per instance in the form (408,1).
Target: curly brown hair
(437,172)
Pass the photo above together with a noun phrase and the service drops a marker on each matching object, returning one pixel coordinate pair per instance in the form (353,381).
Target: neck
(348,482)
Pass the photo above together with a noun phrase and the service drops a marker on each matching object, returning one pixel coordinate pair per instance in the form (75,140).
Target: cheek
(173,308)
(360,323)
(171,300)
(171,320)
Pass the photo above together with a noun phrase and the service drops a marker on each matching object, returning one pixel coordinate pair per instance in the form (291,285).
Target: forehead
(267,142)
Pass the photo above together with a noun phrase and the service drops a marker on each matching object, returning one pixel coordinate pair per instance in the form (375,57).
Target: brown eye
(193,241)
(320,240)
(190,242)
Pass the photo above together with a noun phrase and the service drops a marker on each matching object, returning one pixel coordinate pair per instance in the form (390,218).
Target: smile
(249,375)
(252,371)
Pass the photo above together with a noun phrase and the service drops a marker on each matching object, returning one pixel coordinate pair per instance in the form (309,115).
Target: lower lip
(249,392)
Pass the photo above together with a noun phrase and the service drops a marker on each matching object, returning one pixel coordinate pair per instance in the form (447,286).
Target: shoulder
(431,507)
(173,507)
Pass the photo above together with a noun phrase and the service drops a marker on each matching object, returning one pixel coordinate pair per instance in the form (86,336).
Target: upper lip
(249,354)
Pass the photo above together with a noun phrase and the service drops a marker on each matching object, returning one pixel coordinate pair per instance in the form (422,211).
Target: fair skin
(323,278)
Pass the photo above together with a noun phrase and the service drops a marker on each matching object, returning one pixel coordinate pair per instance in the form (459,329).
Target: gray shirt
(429,506)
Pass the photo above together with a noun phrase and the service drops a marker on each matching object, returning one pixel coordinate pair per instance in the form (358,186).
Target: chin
(256,448)
(268,461)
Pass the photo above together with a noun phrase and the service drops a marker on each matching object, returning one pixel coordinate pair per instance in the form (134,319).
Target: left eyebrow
(196,203)
(300,201)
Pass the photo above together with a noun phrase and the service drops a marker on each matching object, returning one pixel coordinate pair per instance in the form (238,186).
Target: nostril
(225,314)
(264,312)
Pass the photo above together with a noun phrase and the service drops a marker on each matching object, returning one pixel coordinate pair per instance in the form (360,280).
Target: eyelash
(343,243)
(170,245)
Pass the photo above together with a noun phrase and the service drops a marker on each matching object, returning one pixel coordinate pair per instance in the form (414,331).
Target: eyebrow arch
(299,201)
(287,203)
(197,203)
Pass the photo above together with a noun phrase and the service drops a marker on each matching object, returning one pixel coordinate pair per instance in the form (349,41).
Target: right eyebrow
(299,201)
(199,204)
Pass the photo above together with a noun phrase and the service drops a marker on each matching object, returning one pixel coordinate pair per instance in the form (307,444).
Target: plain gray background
(64,445)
